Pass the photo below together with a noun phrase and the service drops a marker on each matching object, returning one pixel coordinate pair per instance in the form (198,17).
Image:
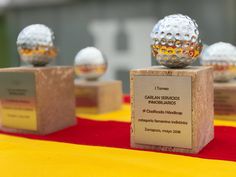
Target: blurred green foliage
(4,47)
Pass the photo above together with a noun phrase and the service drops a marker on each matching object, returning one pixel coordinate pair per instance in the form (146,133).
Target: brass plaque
(17,100)
(162,110)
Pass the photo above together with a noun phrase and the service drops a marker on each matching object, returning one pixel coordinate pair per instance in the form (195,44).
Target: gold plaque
(163,111)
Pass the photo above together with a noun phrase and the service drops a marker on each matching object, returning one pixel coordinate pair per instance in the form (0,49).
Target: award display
(36,99)
(93,95)
(222,57)
(172,105)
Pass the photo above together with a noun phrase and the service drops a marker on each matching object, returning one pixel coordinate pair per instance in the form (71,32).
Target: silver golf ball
(175,41)
(90,64)
(222,56)
(35,45)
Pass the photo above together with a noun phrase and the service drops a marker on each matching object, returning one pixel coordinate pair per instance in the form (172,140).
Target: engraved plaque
(17,98)
(163,111)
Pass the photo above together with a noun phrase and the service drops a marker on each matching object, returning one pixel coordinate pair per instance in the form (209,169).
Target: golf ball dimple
(175,41)
(222,57)
(35,45)
(90,63)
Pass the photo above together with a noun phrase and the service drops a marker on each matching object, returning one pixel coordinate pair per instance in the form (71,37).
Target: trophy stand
(172,106)
(92,95)
(37,100)
(225,100)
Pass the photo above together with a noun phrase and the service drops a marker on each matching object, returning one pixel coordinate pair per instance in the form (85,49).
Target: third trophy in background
(93,95)
(222,57)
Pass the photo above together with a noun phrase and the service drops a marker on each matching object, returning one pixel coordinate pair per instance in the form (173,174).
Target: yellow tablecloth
(23,157)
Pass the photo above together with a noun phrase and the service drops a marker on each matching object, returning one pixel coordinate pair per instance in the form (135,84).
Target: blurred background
(121,29)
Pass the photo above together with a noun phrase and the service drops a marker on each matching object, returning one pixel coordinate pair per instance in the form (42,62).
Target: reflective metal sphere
(222,56)
(176,42)
(35,45)
(90,63)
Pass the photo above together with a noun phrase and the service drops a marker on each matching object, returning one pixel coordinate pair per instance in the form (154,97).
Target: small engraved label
(163,111)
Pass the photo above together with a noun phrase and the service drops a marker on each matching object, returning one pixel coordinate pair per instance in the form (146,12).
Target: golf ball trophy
(36,99)
(92,95)
(172,105)
(222,57)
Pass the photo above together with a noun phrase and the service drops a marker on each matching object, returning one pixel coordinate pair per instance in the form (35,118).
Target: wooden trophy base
(37,100)
(225,100)
(96,97)
(172,109)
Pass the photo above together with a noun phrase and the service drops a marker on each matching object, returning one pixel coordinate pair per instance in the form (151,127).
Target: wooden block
(97,97)
(37,100)
(225,100)
(172,109)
